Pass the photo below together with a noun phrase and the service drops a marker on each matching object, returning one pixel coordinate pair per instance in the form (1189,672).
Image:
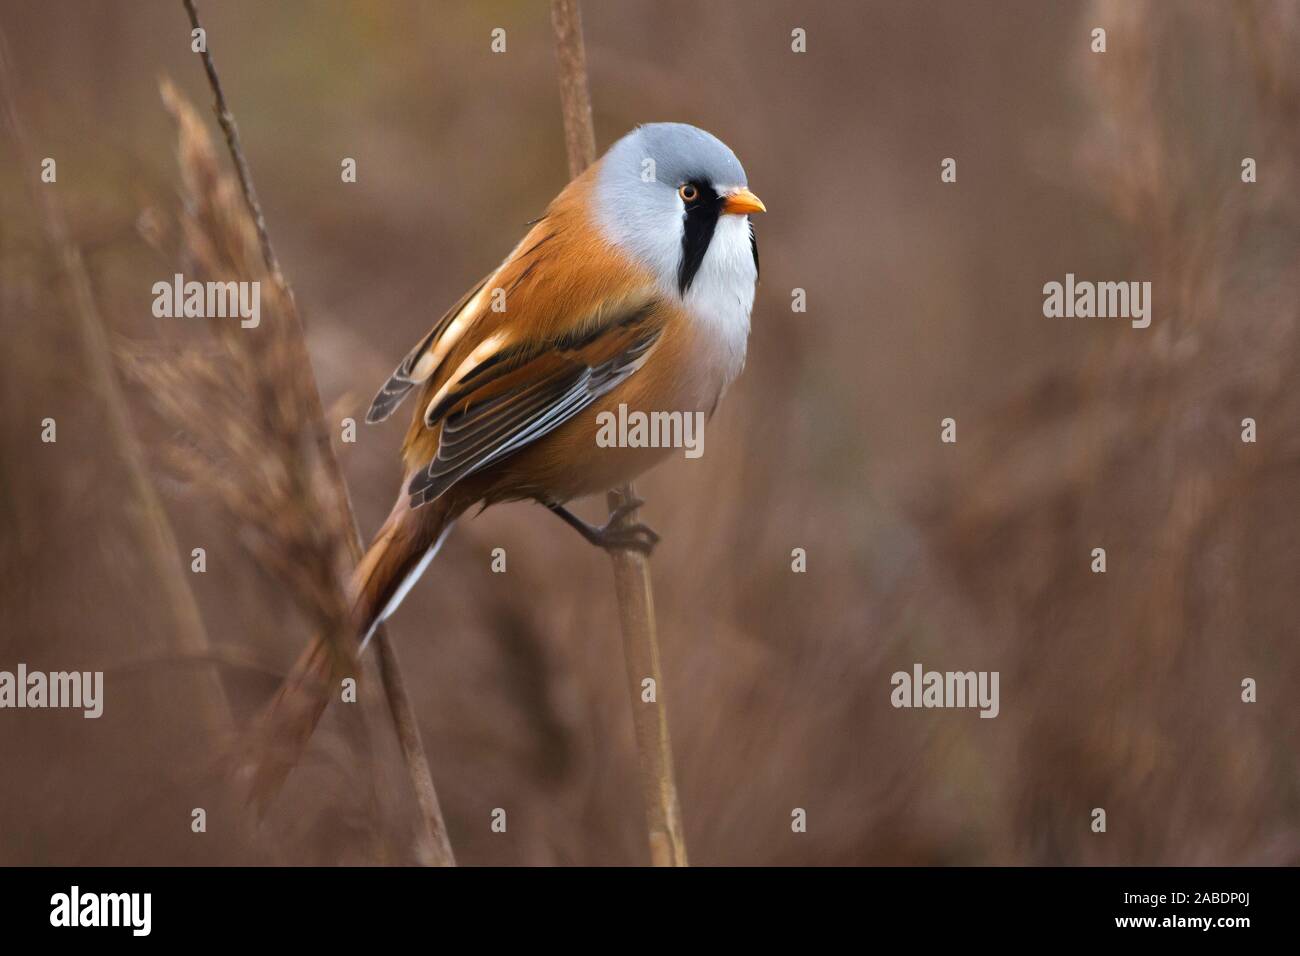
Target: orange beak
(742,202)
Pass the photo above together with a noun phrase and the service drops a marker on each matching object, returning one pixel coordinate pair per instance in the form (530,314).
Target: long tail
(393,563)
(395,560)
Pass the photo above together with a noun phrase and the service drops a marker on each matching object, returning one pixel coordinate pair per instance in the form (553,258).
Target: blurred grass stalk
(631,570)
(152,529)
(332,640)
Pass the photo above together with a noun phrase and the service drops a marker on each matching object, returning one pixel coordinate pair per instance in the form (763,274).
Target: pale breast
(721,298)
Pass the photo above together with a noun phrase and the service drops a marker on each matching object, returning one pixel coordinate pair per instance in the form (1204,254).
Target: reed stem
(438,847)
(631,570)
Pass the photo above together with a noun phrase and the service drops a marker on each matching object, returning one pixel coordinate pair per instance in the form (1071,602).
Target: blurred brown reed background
(1118,690)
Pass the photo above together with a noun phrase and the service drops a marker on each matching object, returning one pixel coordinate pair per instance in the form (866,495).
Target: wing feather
(518,405)
(580,318)
(405,377)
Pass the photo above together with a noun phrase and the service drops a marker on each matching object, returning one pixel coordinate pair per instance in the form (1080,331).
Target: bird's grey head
(668,193)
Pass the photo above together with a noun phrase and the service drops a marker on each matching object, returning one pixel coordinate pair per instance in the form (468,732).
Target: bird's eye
(688,192)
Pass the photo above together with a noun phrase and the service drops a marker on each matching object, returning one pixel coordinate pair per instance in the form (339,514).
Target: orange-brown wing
(515,395)
(528,282)
(410,373)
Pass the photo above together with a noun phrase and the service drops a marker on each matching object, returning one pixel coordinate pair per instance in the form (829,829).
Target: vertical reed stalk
(631,571)
(438,848)
(144,509)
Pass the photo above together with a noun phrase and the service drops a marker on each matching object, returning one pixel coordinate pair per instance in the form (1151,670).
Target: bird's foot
(616,534)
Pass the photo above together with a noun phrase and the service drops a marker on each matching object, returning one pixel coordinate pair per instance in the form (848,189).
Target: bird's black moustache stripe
(699,221)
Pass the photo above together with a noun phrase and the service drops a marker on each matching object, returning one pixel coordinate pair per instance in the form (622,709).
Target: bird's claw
(623,510)
(616,534)
(626,537)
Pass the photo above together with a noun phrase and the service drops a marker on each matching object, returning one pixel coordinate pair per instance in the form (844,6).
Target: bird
(634,288)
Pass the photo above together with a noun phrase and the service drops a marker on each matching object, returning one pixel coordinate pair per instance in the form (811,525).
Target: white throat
(721,296)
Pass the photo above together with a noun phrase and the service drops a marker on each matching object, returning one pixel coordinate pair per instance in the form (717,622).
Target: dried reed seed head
(245,405)
(219,230)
